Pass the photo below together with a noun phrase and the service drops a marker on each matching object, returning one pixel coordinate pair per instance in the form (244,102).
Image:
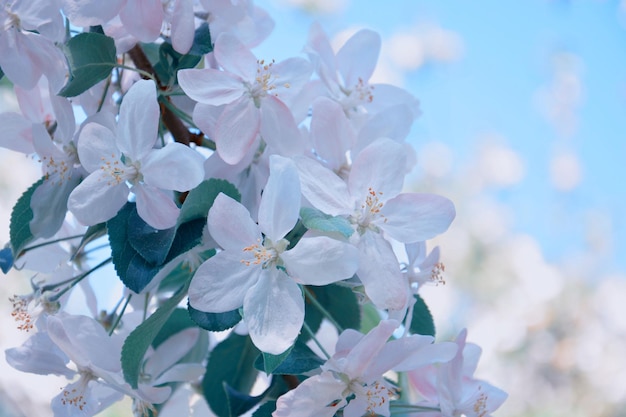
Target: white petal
(323,188)
(171,351)
(174,167)
(210,86)
(279,129)
(274,312)
(16,133)
(236,129)
(220,284)
(155,207)
(381,167)
(318,396)
(182,26)
(95,200)
(280,204)
(38,355)
(331,132)
(96,146)
(139,120)
(321,260)
(357,59)
(380,273)
(234,57)
(230,224)
(412,217)
(143,18)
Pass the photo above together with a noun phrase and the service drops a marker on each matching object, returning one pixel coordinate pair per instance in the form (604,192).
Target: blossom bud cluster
(229,192)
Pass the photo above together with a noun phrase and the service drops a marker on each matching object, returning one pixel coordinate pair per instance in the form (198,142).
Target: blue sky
(492,88)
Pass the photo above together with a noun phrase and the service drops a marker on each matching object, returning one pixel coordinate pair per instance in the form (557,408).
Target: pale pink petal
(173,167)
(332,133)
(319,396)
(323,188)
(155,207)
(96,146)
(380,273)
(39,355)
(49,203)
(280,204)
(181,372)
(237,129)
(291,75)
(18,52)
(91,13)
(365,353)
(387,95)
(16,133)
(211,86)
(143,18)
(279,129)
(234,57)
(96,200)
(139,120)
(340,261)
(356,60)
(322,55)
(182,26)
(412,217)
(421,353)
(394,123)
(230,224)
(171,351)
(379,167)
(220,284)
(274,311)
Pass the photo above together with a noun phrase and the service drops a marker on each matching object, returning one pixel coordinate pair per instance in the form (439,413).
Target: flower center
(264,82)
(117,171)
(358,95)
(74,394)
(11,20)
(265,254)
(369,211)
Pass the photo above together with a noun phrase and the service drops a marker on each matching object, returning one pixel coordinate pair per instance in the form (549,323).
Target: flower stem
(119,316)
(311,297)
(319,345)
(75,280)
(50,242)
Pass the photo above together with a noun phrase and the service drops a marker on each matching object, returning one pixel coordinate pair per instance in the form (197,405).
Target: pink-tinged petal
(205,116)
(17,54)
(220,283)
(394,123)
(280,204)
(420,353)
(16,133)
(66,122)
(279,129)
(91,13)
(174,167)
(379,167)
(291,75)
(323,188)
(49,203)
(143,18)
(211,86)
(332,133)
(412,217)
(322,55)
(96,146)
(319,396)
(139,120)
(230,224)
(386,95)
(155,207)
(182,26)
(274,311)
(96,200)
(237,129)
(181,372)
(234,57)
(380,273)
(31,103)
(365,353)
(340,261)
(171,351)
(356,60)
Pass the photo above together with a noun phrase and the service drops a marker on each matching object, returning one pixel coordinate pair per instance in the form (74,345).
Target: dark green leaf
(298,360)
(93,232)
(230,362)
(239,403)
(152,244)
(187,236)
(134,271)
(181,273)
(6,259)
(201,41)
(22,214)
(1,73)
(177,321)
(200,199)
(339,301)
(137,343)
(422,321)
(215,322)
(318,220)
(265,410)
(295,234)
(91,57)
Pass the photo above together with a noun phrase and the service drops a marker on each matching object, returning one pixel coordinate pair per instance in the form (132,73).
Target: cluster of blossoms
(228,192)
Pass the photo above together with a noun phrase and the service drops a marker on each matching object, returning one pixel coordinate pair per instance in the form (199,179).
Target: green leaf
(318,220)
(340,302)
(138,341)
(230,362)
(239,403)
(134,271)
(202,43)
(214,322)
(1,73)
(422,321)
(19,228)
(177,321)
(369,318)
(297,360)
(200,199)
(152,244)
(91,57)
(265,410)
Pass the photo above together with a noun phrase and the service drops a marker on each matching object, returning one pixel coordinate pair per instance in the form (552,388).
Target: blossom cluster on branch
(231,194)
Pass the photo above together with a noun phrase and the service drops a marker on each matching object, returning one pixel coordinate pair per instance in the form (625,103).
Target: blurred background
(523,128)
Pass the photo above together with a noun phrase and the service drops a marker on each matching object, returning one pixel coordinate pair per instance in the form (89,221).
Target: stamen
(436,275)
(262,255)
(20,312)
